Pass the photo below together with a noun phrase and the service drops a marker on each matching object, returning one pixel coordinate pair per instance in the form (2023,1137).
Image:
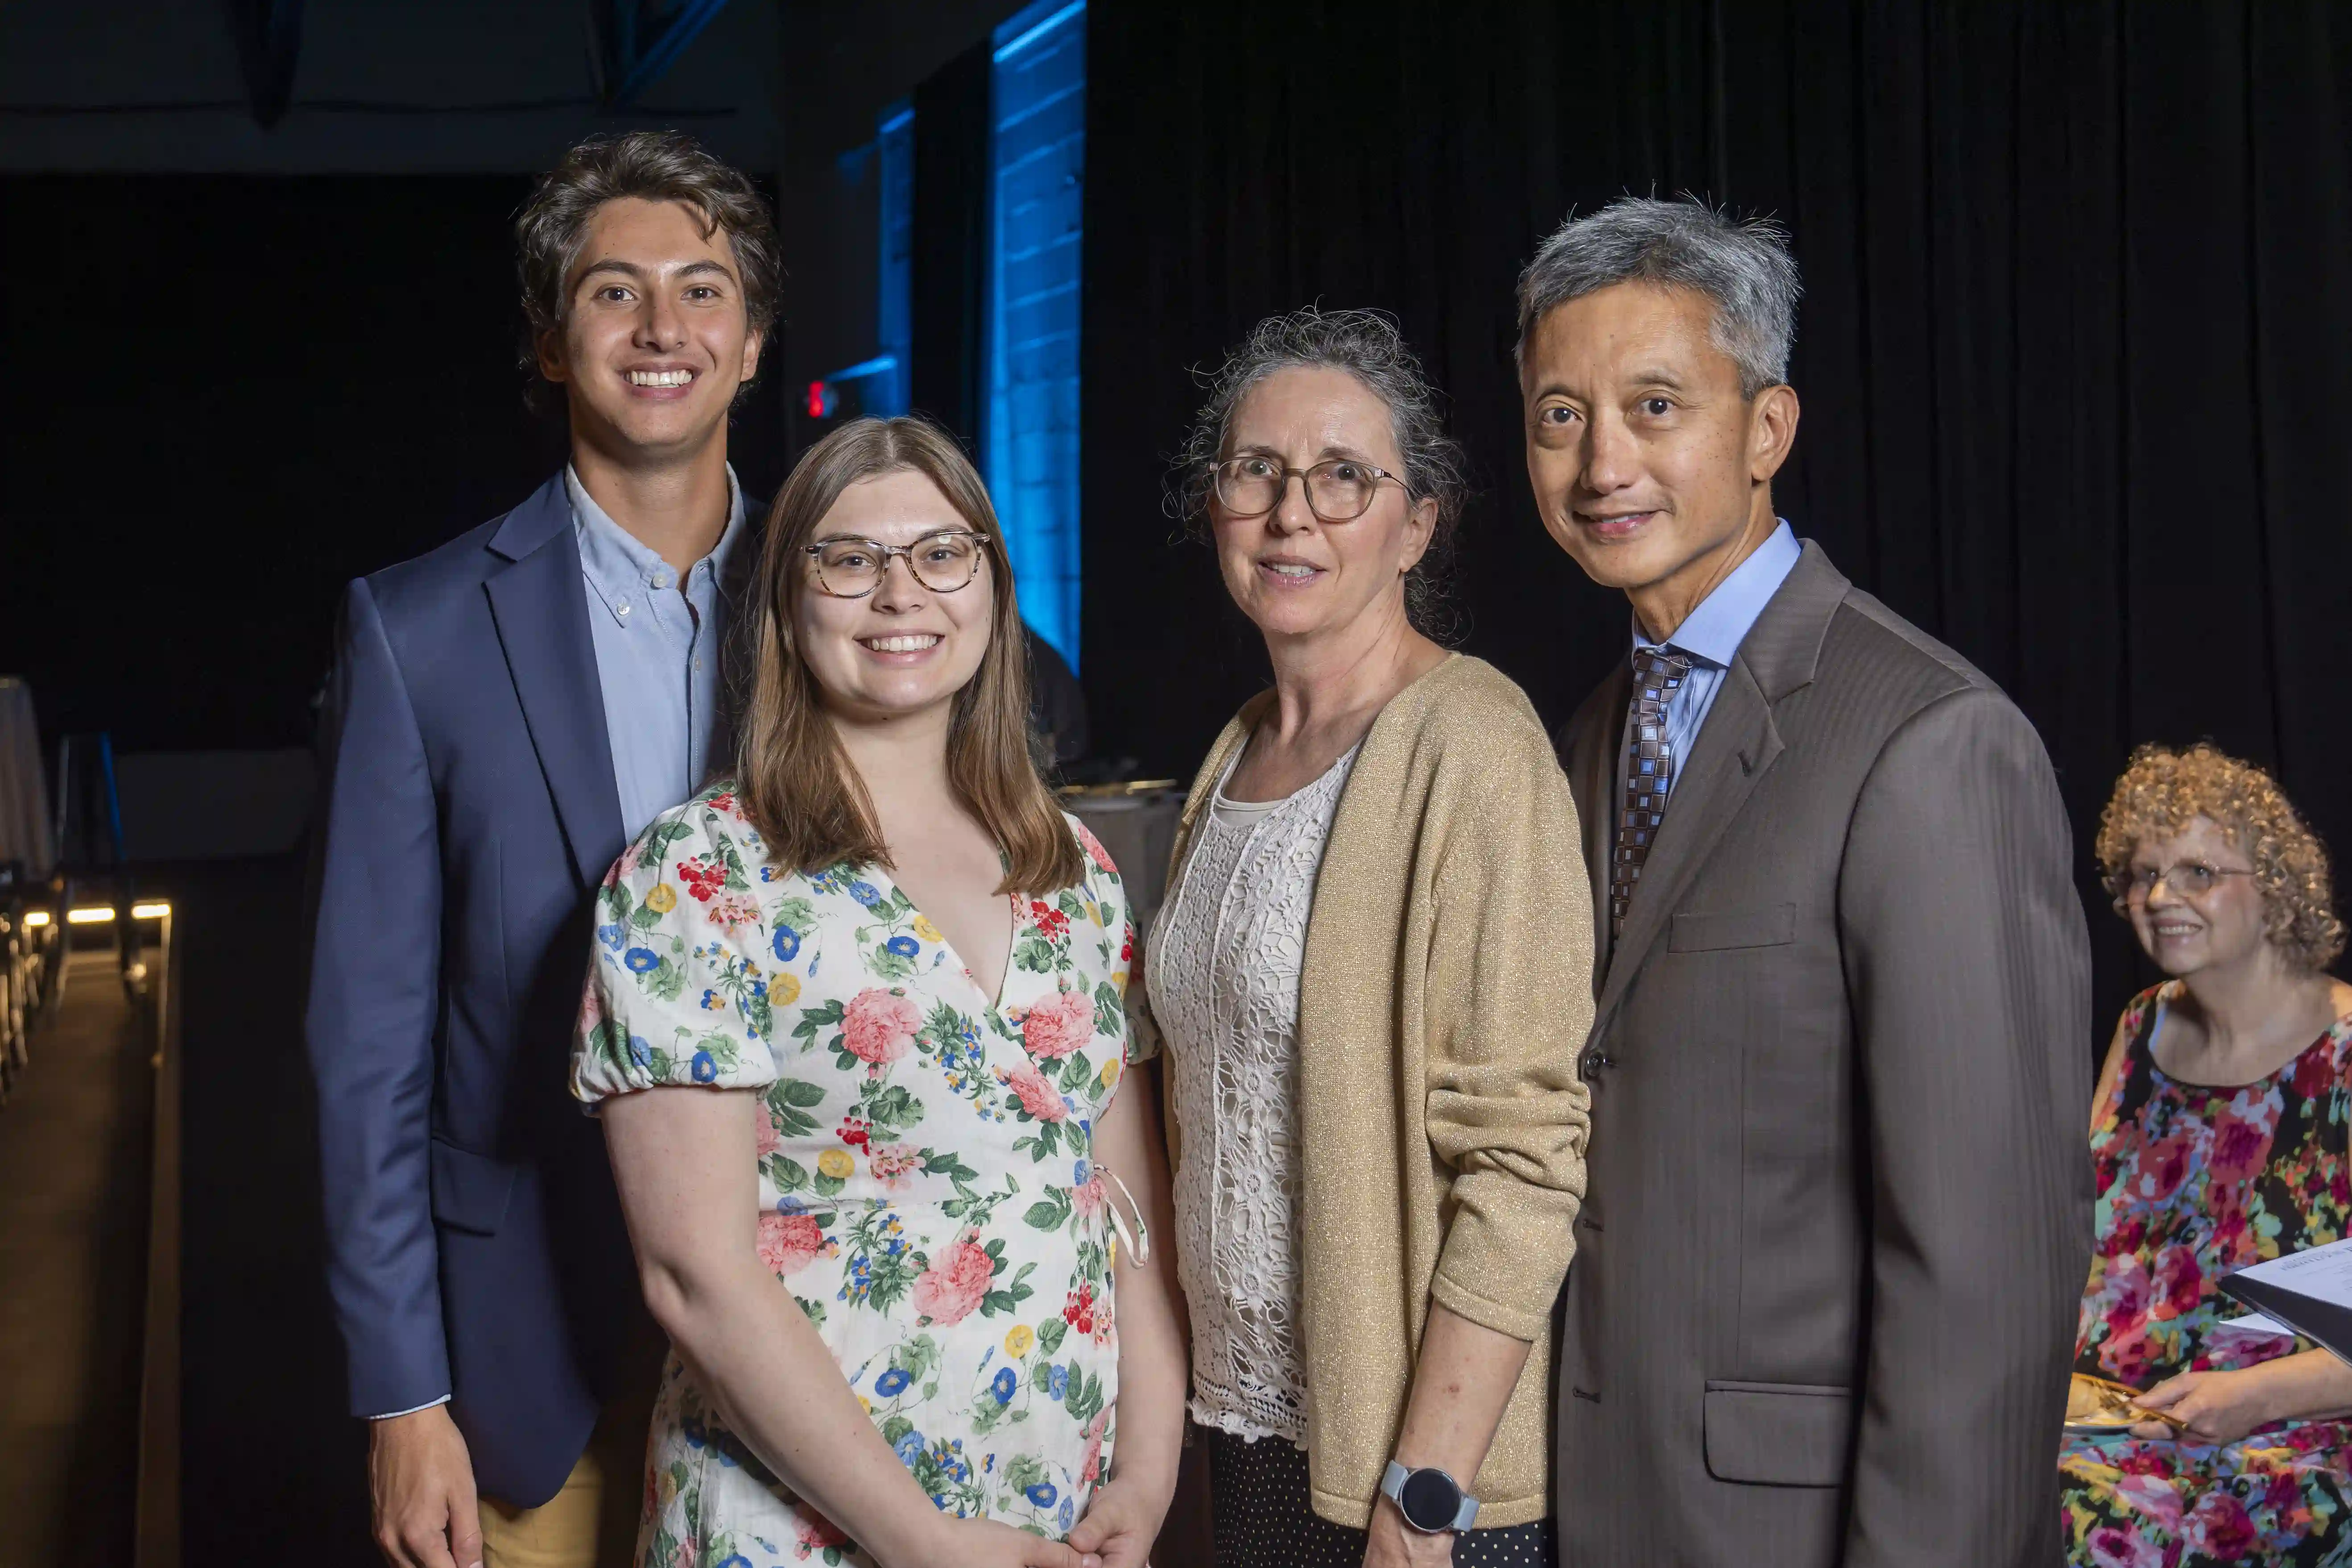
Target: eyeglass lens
(2189,878)
(941,562)
(1338,490)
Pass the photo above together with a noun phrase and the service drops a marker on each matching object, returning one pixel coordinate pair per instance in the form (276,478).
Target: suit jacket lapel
(1596,758)
(542,614)
(1735,746)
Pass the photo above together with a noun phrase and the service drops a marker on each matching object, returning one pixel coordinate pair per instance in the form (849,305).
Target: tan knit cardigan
(1445,992)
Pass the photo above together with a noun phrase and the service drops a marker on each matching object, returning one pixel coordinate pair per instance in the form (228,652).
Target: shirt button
(621,609)
(660,581)
(698,664)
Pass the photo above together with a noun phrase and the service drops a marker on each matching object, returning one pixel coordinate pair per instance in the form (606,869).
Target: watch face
(1429,1500)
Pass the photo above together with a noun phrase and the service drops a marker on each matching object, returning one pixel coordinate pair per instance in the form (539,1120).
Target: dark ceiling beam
(643,38)
(269,43)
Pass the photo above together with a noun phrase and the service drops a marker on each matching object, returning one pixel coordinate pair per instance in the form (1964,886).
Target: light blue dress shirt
(1710,636)
(658,653)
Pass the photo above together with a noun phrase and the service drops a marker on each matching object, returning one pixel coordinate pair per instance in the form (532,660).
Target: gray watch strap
(1393,1487)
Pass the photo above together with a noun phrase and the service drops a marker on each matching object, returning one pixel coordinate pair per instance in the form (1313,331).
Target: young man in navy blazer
(508,711)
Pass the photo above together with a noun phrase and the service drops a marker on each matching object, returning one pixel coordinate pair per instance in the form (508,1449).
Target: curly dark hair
(1368,346)
(650,165)
(2162,791)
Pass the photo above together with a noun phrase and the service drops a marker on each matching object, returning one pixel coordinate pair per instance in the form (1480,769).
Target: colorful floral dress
(2194,1182)
(926,1190)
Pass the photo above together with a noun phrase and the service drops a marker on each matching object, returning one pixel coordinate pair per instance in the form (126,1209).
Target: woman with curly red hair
(2219,1133)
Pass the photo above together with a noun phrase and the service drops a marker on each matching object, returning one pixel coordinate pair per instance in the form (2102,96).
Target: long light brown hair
(792,778)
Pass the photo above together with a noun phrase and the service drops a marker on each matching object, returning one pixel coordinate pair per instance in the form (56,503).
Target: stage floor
(75,1155)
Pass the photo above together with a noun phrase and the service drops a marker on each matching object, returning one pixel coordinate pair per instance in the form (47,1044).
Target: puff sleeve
(681,987)
(1122,950)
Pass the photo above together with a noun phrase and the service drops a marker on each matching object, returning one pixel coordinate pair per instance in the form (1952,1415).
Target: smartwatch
(1430,1500)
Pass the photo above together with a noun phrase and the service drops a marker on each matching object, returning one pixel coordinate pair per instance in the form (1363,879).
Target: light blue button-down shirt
(1710,636)
(657,654)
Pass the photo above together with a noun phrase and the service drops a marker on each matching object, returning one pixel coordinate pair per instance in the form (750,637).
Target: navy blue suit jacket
(474,1243)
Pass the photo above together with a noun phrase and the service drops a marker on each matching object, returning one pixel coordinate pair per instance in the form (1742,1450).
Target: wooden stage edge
(157,1529)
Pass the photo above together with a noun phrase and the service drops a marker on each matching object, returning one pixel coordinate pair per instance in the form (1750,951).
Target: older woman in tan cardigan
(1371,974)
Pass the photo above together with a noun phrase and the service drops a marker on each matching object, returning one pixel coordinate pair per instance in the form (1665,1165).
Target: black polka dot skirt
(1261,1518)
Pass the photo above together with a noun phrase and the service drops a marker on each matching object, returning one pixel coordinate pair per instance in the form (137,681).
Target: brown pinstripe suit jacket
(1839,1217)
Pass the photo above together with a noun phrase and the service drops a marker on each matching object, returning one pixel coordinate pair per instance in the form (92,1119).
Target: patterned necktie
(1649,773)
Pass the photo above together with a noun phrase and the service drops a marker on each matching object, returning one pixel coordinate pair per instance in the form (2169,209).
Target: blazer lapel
(542,614)
(1596,758)
(1735,746)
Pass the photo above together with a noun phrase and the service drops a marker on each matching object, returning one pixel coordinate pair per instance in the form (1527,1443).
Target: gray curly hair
(1368,346)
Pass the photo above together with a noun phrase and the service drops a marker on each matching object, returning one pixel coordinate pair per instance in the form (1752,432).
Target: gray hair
(1743,267)
(1368,346)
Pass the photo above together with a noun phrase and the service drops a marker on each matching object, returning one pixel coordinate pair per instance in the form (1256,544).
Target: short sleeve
(1124,954)
(676,995)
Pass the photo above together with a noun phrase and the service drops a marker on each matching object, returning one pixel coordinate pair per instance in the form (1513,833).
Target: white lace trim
(1224,971)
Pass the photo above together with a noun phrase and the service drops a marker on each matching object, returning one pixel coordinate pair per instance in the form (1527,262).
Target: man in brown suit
(1839,1213)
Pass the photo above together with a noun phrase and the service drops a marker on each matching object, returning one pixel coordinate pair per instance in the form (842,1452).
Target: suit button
(1594,1060)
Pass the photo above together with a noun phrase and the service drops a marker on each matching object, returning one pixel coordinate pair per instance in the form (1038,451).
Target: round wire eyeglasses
(853,568)
(1339,489)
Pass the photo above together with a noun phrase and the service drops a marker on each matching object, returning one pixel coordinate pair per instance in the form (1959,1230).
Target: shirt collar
(620,566)
(1713,632)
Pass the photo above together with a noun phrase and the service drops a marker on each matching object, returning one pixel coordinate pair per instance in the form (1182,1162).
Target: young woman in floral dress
(856,1028)
(2218,1136)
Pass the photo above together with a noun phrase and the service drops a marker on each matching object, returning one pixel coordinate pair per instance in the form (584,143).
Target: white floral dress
(926,1187)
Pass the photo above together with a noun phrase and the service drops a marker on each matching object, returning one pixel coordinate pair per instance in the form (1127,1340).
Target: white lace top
(1223,976)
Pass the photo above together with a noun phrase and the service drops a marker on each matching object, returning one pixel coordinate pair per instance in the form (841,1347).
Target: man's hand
(1395,1544)
(422,1480)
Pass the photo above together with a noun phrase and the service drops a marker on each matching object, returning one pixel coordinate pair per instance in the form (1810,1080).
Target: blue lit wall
(1030,433)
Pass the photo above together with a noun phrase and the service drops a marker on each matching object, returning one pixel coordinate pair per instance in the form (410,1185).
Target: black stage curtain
(2075,351)
(255,389)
